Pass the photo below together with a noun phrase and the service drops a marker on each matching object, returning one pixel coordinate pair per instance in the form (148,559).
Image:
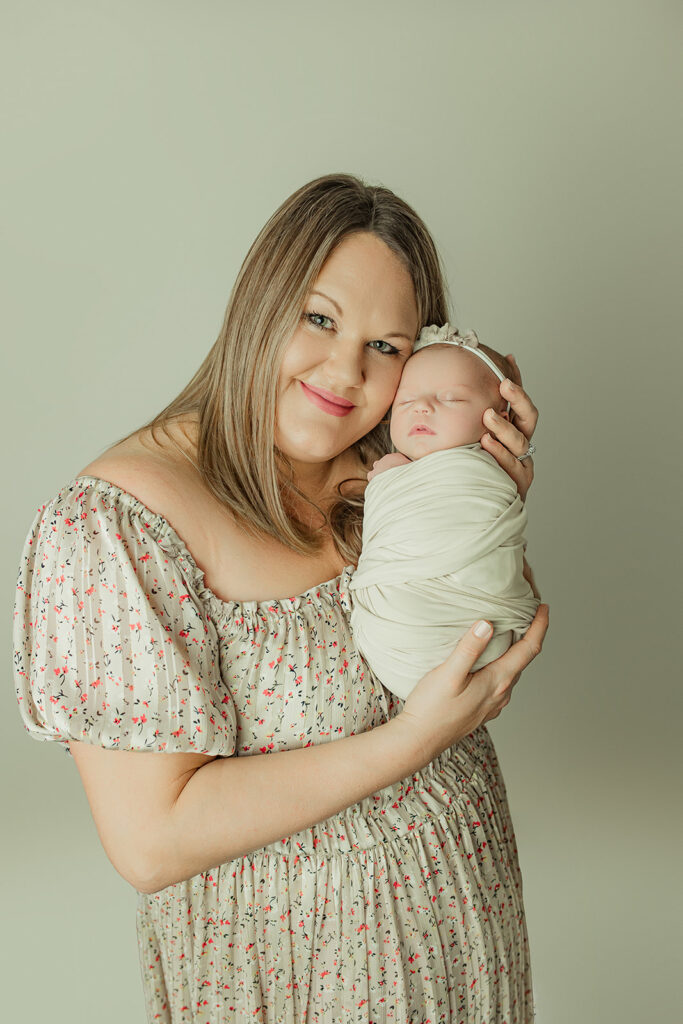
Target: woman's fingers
(467,650)
(522,409)
(507,441)
(521,472)
(451,700)
(432,717)
(521,653)
(513,437)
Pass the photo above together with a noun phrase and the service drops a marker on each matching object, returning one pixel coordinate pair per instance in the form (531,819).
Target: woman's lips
(419,428)
(334,408)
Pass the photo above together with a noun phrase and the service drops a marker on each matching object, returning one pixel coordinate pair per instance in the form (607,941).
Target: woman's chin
(314,442)
(310,448)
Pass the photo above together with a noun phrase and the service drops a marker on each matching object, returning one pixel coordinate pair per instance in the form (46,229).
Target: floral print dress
(405,907)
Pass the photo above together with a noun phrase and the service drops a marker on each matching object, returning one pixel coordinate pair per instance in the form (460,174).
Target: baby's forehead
(444,366)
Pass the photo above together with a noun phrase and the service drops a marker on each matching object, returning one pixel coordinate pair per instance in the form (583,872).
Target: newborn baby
(443,528)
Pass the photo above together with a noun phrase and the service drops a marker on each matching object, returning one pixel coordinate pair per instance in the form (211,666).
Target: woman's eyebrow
(329,299)
(394,334)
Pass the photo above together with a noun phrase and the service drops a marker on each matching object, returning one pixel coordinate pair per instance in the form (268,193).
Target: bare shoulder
(159,473)
(236,565)
(138,465)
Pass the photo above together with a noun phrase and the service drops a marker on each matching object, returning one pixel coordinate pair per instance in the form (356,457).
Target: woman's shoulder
(161,474)
(150,469)
(160,477)
(125,500)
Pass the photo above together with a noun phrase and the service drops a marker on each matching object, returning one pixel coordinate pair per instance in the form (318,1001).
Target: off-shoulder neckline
(181,551)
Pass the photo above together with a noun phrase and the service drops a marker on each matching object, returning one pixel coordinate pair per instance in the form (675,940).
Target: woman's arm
(163,818)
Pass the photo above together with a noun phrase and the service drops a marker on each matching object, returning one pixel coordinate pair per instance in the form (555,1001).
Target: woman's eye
(390,350)
(315,318)
(326,323)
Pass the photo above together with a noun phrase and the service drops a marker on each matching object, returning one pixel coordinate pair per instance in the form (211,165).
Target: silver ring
(530,451)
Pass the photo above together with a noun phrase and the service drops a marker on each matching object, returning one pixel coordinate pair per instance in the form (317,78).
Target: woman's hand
(450,701)
(506,440)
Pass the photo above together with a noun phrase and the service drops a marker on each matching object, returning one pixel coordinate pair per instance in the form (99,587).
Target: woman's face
(356,331)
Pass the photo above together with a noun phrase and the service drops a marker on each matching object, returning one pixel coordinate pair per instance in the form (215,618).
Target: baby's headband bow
(448,335)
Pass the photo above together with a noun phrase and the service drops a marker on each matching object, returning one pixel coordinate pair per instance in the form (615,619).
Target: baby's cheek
(394,426)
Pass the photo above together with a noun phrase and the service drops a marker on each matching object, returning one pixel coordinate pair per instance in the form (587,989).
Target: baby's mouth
(419,428)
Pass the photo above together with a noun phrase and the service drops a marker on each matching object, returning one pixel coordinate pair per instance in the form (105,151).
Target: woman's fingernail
(482,628)
(513,387)
(492,415)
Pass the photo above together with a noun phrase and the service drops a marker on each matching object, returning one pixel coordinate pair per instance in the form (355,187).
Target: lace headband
(448,335)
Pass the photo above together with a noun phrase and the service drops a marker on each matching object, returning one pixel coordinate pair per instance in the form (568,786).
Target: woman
(365,869)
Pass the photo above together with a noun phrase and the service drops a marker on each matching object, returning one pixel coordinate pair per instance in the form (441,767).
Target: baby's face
(441,399)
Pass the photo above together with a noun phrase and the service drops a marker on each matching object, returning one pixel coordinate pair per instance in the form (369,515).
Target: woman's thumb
(469,647)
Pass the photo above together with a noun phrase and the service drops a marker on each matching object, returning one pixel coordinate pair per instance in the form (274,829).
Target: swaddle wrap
(443,546)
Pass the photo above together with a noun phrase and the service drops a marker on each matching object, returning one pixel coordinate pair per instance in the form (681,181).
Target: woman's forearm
(235,805)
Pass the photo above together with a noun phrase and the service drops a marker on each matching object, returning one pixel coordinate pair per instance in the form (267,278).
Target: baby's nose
(423,404)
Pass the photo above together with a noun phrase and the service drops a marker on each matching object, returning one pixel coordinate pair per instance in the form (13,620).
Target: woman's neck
(317,481)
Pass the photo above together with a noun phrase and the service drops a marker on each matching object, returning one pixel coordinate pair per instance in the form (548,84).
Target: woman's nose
(344,367)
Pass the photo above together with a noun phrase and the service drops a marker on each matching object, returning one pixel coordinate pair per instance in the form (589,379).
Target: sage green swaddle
(443,546)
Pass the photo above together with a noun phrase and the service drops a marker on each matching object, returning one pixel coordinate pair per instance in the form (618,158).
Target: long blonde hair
(234,391)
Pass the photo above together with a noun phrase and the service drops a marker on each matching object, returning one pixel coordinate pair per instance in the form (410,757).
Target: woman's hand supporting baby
(507,441)
(450,701)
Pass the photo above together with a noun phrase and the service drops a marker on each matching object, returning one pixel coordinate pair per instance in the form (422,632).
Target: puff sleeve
(112,641)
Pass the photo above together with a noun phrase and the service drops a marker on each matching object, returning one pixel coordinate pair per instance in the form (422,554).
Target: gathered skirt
(406,907)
